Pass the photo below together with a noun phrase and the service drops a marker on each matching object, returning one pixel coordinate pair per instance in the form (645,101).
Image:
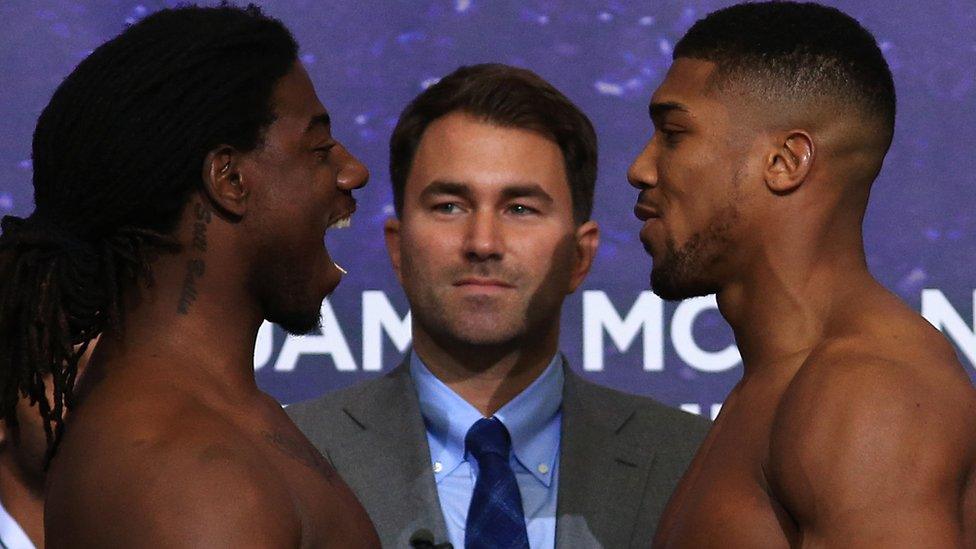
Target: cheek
(424,248)
(549,256)
(296,183)
(691,189)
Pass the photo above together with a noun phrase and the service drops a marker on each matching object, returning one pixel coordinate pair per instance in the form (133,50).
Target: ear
(223,182)
(391,231)
(788,166)
(587,242)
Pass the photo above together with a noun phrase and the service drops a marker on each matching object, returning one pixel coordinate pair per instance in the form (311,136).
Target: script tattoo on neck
(195,266)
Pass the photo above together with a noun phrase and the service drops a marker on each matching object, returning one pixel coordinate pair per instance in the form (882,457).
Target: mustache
(488,270)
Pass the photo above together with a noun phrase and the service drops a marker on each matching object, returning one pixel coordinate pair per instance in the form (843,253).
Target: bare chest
(331,515)
(723,500)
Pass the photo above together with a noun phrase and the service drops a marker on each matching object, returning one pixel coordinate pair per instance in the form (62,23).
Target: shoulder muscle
(865,446)
(170,494)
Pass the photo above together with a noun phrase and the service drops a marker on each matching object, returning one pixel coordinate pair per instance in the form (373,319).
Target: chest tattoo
(302,453)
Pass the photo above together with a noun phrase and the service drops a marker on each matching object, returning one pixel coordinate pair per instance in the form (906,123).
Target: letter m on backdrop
(940,313)
(646,317)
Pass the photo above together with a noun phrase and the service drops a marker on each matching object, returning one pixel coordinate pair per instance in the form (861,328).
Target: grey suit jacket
(621,456)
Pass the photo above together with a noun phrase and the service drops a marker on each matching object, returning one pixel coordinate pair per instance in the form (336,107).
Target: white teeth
(343,223)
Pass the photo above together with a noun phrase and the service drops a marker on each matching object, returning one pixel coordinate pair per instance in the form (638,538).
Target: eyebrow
(319,120)
(514,190)
(526,190)
(446,187)
(657,110)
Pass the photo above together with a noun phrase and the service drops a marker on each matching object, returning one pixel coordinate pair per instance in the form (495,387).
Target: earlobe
(391,232)
(224,183)
(787,167)
(587,243)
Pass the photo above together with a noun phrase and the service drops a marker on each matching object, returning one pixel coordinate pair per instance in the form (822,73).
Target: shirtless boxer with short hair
(854,425)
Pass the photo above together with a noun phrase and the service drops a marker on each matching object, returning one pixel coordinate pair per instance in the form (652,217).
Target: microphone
(424,539)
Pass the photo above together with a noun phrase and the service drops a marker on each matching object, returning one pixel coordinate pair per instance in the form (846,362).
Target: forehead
(688,84)
(461,148)
(294,99)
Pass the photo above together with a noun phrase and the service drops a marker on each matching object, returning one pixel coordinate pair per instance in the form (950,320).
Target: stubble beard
(490,321)
(689,270)
(474,321)
(286,296)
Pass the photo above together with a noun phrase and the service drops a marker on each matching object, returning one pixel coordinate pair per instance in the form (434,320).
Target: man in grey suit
(484,437)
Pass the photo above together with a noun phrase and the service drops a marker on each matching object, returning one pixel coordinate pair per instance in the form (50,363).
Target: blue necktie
(495,517)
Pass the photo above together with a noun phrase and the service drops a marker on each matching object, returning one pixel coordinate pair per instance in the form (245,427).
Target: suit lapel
(394,460)
(602,474)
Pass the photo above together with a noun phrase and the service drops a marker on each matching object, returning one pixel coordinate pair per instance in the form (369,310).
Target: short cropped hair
(796,49)
(509,97)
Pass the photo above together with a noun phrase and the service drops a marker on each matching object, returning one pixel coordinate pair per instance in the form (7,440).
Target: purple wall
(368,58)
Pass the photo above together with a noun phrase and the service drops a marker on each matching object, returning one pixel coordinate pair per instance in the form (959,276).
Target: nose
(352,173)
(484,240)
(642,173)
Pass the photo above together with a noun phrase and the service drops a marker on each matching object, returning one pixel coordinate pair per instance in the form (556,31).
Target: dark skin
(173,444)
(22,457)
(854,424)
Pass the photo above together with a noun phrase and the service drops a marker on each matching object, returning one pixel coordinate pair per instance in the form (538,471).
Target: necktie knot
(486,437)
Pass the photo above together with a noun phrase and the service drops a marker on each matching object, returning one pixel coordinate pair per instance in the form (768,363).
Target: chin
(483,338)
(296,317)
(481,331)
(298,323)
(291,286)
(668,286)
(330,286)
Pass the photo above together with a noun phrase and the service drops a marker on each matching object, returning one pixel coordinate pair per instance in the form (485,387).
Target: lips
(341,218)
(482,282)
(341,223)
(645,211)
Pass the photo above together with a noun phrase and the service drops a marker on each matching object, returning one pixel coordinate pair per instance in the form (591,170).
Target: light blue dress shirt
(533,418)
(12,536)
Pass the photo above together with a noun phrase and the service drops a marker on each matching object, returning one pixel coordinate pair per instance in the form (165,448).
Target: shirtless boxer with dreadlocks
(184,176)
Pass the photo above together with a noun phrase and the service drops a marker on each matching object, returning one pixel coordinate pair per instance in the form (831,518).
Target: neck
(781,303)
(487,376)
(197,328)
(23,502)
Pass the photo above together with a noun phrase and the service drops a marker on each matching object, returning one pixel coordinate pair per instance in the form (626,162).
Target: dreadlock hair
(779,50)
(117,153)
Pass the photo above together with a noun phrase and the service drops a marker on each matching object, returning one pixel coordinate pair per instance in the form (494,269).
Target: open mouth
(341,223)
(343,218)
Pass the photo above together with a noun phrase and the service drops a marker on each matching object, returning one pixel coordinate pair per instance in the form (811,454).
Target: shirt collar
(532,419)
(11,533)
(447,417)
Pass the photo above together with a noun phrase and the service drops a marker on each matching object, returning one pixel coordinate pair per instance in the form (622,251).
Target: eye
(322,153)
(521,209)
(446,208)
(670,136)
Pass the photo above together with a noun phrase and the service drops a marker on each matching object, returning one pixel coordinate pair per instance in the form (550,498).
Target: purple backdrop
(368,58)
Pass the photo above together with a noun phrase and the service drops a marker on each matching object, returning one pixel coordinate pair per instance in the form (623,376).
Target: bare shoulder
(876,435)
(903,374)
(164,474)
